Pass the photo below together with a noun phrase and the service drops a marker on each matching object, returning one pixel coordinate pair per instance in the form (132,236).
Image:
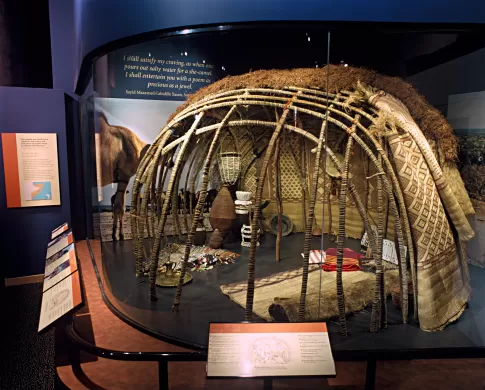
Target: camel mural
(121,152)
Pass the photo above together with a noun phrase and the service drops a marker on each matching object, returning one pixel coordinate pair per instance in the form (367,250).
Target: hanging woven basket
(229,167)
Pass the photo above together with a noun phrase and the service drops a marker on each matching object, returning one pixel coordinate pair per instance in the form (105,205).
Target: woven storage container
(229,167)
(223,211)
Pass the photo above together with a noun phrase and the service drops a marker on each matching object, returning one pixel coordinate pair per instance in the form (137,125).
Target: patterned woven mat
(105,221)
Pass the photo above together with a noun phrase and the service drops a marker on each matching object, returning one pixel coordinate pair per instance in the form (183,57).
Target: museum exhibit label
(249,350)
(59,243)
(63,265)
(31,169)
(60,300)
(59,230)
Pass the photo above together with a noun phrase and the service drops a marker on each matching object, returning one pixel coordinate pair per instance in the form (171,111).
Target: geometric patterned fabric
(427,216)
(442,290)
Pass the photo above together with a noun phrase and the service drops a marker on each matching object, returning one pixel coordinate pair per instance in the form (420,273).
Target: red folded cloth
(348,264)
(345,267)
(350,260)
(348,253)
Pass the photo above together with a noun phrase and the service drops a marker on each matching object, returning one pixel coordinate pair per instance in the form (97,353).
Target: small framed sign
(59,266)
(59,243)
(31,169)
(269,349)
(58,230)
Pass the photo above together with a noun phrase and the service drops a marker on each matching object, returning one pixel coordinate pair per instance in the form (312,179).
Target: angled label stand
(60,300)
(62,291)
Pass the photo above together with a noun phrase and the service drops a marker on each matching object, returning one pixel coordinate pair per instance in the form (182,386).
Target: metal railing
(78,344)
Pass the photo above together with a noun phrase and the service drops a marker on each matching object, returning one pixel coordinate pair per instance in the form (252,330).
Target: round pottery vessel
(216,239)
(243,195)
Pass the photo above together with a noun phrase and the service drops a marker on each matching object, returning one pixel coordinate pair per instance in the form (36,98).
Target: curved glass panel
(324,158)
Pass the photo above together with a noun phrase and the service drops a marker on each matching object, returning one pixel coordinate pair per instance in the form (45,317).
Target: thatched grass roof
(428,118)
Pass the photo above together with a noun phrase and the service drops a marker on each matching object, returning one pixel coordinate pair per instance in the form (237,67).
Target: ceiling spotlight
(223,68)
(308,39)
(203,61)
(185,53)
(149,55)
(346,65)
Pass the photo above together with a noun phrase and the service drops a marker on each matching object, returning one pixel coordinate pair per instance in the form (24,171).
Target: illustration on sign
(270,350)
(37,190)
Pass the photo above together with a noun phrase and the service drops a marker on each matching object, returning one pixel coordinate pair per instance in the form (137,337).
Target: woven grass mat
(105,222)
(281,293)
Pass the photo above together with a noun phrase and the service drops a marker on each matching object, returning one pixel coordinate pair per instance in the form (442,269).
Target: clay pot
(223,211)
(216,239)
(317,232)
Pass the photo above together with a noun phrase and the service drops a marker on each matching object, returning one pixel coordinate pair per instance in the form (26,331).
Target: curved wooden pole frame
(137,236)
(257,211)
(309,224)
(377,314)
(234,99)
(341,237)
(279,200)
(199,207)
(161,225)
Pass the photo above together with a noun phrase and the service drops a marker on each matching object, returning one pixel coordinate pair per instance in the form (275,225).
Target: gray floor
(27,358)
(204,303)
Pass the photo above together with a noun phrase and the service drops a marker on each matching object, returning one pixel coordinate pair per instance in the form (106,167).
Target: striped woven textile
(329,259)
(348,265)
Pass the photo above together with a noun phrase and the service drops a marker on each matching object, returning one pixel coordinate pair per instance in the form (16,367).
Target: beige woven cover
(443,286)
(395,108)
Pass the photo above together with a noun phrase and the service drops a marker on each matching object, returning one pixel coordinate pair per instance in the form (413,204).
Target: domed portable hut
(339,141)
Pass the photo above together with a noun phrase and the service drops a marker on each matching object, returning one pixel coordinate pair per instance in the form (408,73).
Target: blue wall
(24,232)
(100,22)
(61,16)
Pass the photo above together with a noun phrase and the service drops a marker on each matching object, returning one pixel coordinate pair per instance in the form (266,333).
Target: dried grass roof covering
(428,118)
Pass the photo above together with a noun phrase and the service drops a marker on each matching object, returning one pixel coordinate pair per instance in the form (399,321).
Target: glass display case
(289,172)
